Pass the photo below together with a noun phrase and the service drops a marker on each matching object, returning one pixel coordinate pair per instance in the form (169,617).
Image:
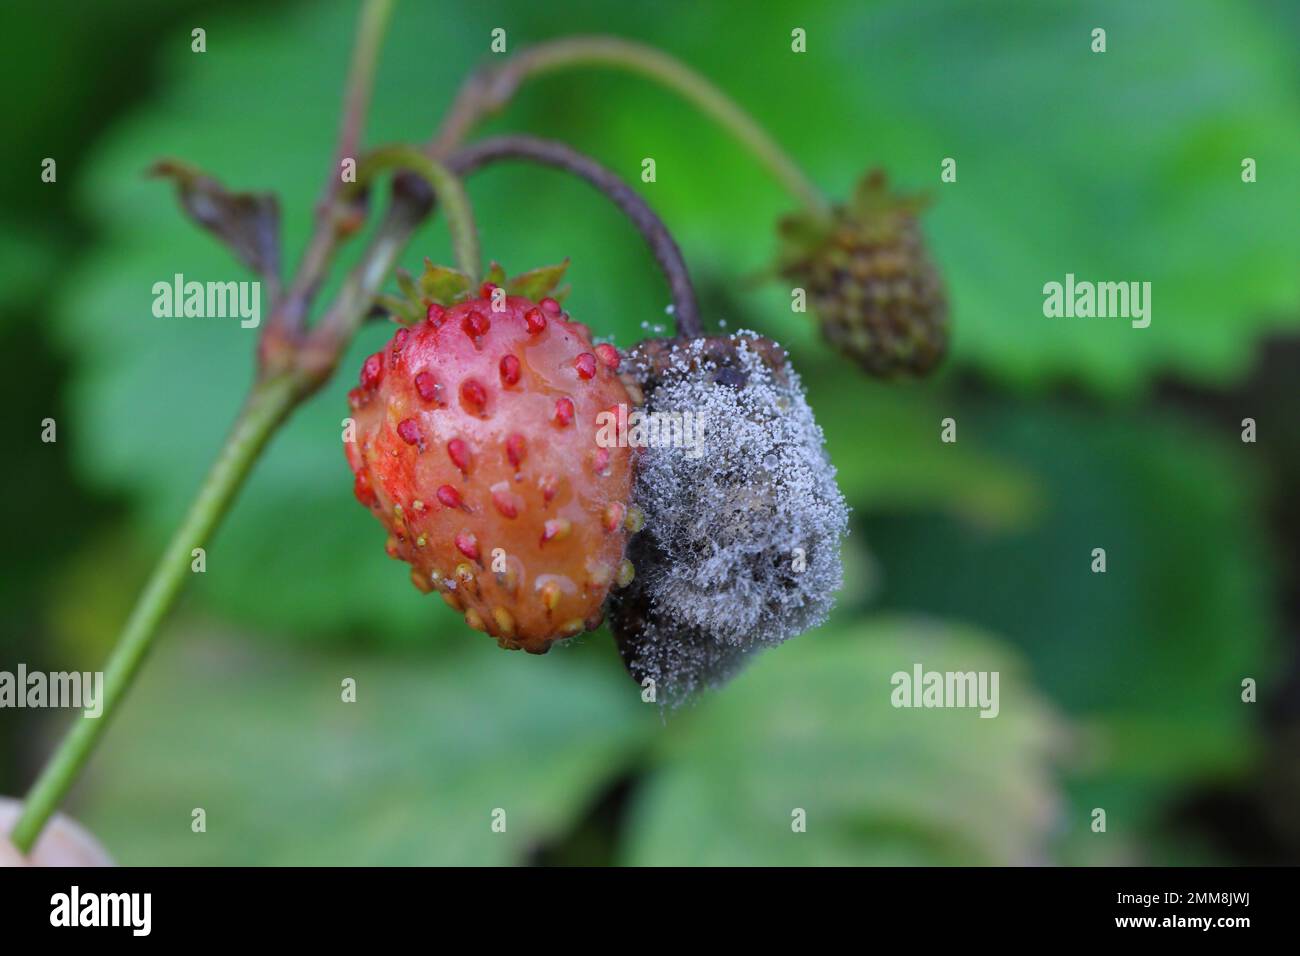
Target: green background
(1120,691)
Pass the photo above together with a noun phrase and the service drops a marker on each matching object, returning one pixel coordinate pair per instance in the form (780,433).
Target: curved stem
(490,90)
(447,190)
(686,311)
(268,404)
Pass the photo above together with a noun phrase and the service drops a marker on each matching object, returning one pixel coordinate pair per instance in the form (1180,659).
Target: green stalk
(489,92)
(272,399)
(267,406)
(372,26)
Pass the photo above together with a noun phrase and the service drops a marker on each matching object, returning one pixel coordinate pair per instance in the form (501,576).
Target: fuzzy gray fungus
(741,545)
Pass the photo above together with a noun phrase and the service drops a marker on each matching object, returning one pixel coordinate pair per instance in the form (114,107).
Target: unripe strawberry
(870,281)
(741,544)
(476,449)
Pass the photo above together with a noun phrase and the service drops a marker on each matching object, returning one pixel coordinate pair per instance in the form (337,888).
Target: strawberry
(877,294)
(741,547)
(475,446)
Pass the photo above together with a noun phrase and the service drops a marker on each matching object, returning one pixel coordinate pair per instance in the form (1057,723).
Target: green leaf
(1150,655)
(884,442)
(811,726)
(1122,166)
(409,774)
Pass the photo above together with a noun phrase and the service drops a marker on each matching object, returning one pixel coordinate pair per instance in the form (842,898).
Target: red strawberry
(476,448)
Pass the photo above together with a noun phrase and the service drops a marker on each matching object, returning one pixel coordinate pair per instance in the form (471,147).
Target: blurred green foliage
(1119,690)
(402,775)
(875,784)
(286,773)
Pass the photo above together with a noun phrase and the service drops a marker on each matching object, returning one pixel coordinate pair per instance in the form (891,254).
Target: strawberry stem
(285,324)
(289,371)
(686,312)
(489,90)
(370,34)
(268,405)
(447,189)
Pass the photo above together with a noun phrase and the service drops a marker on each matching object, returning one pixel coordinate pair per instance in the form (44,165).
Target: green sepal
(401,310)
(407,284)
(448,286)
(536,284)
(873,212)
(873,198)
(801,236)
(443,285)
